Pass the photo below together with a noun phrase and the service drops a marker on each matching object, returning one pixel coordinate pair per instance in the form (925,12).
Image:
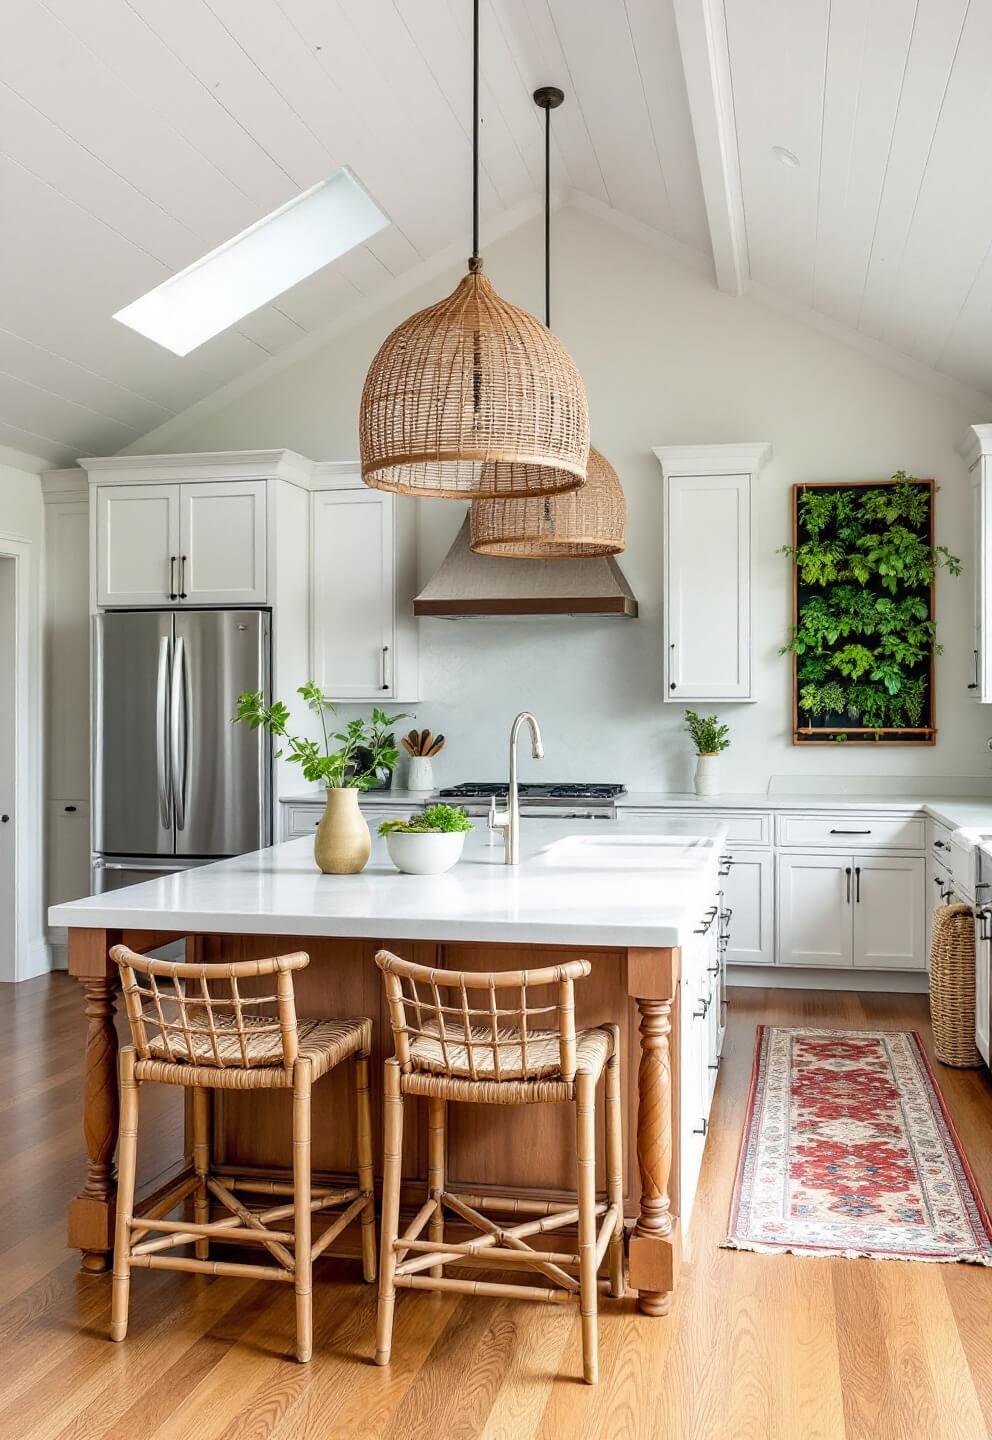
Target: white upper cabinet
(137,544)
(192,529)
(222,542)
(364,637)
(708,518)
(976,447)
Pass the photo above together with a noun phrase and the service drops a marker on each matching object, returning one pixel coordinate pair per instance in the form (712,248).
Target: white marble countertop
(652,895)
(954,810)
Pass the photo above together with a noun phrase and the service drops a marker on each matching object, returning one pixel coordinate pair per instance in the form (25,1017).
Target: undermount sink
(624,852)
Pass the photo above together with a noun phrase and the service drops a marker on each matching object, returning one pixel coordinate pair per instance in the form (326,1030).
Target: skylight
(262,262)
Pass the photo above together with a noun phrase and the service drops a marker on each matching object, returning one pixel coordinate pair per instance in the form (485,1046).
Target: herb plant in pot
(342,845)
(709,738)
(428,843)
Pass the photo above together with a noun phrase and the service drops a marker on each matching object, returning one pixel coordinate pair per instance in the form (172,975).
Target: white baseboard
(36,960)
(900,982)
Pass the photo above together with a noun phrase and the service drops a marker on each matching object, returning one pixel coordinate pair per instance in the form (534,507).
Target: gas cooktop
(473,790)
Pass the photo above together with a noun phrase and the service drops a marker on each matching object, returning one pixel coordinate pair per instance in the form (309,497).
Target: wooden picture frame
(806,731)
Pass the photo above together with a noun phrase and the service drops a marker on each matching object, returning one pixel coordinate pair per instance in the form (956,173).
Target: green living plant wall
(864,633)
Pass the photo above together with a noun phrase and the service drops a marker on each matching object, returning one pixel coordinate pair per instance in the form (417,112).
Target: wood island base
(490,1149)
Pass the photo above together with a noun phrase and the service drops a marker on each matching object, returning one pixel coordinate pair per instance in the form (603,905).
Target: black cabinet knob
(4,819)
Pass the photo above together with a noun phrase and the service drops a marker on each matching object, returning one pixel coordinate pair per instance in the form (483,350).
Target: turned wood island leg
(652,979)
(91,1213)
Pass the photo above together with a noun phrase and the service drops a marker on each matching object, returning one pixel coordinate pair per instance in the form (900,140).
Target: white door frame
(30,948)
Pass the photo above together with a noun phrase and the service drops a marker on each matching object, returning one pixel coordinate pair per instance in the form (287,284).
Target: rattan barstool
(467,1036)
(192,1026)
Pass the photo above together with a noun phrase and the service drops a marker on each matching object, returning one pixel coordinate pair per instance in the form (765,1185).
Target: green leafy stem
(364,747)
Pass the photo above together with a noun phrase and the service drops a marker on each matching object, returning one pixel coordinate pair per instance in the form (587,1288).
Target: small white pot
(425,852)
(708,774)
(420,775)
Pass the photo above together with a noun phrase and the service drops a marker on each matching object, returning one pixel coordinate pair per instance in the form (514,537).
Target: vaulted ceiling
(135,135)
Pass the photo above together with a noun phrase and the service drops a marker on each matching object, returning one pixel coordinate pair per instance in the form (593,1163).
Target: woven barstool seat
(192,1026)
(466,1036)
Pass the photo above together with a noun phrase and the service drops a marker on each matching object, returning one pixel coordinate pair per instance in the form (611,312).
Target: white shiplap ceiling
(135,135)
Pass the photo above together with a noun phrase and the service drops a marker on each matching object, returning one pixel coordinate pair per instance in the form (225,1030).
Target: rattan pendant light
(473,396)
(583,523)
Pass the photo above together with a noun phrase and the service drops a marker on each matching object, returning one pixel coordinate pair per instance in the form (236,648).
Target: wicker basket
(952,986)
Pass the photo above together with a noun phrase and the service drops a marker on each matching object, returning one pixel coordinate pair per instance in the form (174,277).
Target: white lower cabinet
(814,910)
(700,1042)
(749,889)
(68,850)
(889,912)
(852,911)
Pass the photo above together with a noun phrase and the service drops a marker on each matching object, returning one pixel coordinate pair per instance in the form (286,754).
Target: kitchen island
(631,895)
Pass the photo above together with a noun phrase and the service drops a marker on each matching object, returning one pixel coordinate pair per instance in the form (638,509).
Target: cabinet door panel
(889,913)
(749,892)
(137,541)
(814,911)
(707,581)
(353,594)
(222,542)
(68,850)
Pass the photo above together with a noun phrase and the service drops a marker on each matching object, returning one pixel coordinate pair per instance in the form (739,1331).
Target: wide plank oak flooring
(756,1348)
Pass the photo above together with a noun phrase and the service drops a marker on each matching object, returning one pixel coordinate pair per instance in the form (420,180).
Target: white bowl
(425,852)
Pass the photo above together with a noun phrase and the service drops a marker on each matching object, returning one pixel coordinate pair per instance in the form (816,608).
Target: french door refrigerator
(175,782)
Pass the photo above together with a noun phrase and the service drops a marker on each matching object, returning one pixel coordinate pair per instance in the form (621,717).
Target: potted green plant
(709,738)
(428,843)
(342,845)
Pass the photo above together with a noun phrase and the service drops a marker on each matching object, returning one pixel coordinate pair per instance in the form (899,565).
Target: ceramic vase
(708,774)
(421,773)
(342,845)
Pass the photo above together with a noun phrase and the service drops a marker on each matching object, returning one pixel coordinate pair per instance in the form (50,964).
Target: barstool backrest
(196,1014)
(480,1023)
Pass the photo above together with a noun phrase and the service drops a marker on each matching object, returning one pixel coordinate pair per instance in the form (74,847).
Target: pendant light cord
(547,217)
(475,130)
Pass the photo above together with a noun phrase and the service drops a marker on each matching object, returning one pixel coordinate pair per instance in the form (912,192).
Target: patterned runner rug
(849,1150)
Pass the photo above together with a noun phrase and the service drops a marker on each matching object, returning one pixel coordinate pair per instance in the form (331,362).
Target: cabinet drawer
(301,820)
(848,831)
(743,828)
(939,841)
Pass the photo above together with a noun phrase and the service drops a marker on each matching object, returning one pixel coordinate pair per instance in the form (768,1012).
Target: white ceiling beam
(702,32)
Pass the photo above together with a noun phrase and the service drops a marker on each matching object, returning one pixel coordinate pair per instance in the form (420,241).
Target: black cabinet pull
(701,1014)
(173,593)
(974,683)
(4,819)
(701,1129)
(941,845)
(850,832)
(857,884)
(182,577)
(847,872)
(70,809)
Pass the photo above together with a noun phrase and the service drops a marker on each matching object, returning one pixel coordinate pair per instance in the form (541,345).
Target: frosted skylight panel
(255,267)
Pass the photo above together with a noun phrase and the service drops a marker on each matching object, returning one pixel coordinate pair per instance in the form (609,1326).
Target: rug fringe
(759,1249)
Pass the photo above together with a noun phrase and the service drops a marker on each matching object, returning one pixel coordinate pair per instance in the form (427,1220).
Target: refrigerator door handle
(179,732)
(162,745)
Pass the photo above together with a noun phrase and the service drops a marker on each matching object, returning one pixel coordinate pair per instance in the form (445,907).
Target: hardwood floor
(756,1346)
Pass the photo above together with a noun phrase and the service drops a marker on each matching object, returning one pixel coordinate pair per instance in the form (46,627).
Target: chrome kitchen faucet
(508,821)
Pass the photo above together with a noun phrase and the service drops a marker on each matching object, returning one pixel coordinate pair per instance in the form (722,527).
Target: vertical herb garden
(864,635)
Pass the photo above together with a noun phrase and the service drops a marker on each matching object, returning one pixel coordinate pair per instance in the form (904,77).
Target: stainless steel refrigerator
(175,782)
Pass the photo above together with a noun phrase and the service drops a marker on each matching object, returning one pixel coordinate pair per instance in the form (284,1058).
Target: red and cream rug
(849,1150)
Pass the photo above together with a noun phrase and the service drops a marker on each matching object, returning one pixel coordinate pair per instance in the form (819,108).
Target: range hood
(470,586)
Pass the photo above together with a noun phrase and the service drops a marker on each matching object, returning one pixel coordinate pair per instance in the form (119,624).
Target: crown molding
(746,458)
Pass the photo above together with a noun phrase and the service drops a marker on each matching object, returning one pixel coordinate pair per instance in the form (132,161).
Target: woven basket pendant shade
(581,524)
(473,397)
(588,522)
